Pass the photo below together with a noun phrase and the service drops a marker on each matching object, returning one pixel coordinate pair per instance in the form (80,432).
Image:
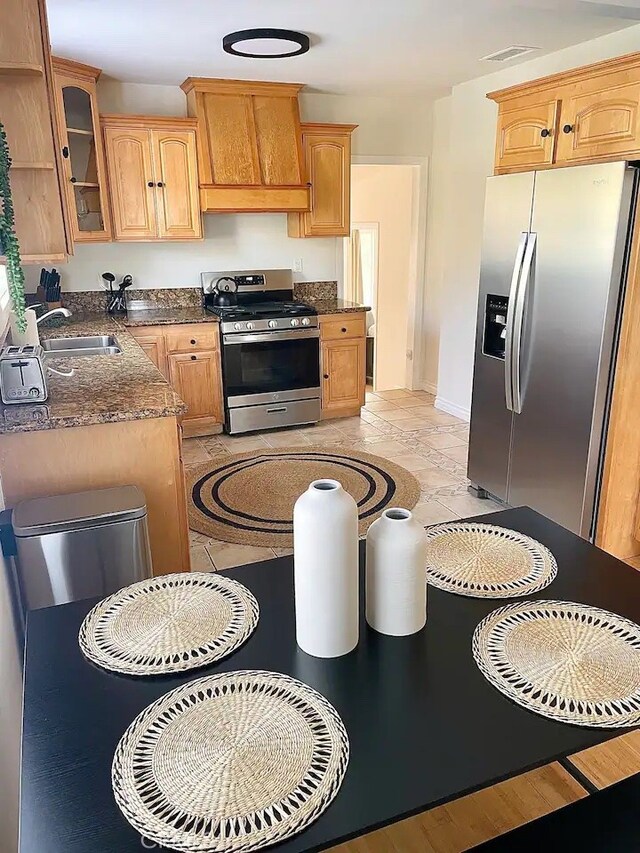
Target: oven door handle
(265,337)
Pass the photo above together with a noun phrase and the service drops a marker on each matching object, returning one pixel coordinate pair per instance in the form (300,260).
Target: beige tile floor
(402,426)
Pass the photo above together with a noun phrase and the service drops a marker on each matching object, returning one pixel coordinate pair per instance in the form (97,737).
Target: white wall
(242,241)
(386,126)
(438,197)
(466,154)
(232,241)
(384,194)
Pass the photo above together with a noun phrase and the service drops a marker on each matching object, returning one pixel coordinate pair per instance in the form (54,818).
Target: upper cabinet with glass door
(82,152)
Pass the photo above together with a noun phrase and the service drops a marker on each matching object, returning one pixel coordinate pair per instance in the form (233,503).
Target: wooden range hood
(250,155)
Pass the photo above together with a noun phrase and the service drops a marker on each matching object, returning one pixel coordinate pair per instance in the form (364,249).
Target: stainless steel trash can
(80,545)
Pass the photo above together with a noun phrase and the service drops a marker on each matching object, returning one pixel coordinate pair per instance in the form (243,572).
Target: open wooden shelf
(29,69)
(36,259)
(25,164)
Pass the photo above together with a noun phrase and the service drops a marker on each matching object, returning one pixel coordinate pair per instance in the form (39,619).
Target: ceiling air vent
(508,53)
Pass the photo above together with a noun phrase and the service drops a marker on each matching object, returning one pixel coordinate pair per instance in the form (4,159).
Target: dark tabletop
(424,725)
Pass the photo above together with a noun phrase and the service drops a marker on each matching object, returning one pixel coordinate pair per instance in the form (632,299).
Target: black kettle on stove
(224,292)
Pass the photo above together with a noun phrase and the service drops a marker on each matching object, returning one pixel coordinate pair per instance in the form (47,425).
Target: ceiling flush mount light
(266,43)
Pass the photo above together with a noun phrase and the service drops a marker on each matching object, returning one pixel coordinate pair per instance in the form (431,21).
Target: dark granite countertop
(103,389)
(168,315)
(336,305)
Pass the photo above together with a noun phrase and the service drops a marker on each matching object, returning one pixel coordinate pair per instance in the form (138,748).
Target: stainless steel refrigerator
(554,264)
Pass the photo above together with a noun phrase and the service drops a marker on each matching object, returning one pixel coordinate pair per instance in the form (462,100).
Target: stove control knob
(237,326)
(250,326)
(295,322)
(273,324)
(305,321)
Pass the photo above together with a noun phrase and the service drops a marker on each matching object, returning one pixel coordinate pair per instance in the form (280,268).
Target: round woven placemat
(486,561)
(571,662)
(230,762)
(169,623)
(248,498)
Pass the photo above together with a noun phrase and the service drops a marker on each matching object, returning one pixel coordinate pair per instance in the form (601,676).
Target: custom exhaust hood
(250,155)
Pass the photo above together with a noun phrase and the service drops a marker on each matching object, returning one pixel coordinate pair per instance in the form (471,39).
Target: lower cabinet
(342,364)
(155,349)
(195,378)
(189,359)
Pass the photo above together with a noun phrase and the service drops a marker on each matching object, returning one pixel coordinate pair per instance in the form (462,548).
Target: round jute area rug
(248,498)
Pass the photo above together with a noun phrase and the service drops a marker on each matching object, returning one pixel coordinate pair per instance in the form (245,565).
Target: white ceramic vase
(396,583)
(325,556)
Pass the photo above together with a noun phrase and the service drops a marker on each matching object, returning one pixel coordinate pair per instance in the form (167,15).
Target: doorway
(379,267)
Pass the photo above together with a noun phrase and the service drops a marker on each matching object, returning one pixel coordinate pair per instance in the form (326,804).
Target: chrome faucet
(64,311)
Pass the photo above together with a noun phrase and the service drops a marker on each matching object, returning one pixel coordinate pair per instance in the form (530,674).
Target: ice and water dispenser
(495,325)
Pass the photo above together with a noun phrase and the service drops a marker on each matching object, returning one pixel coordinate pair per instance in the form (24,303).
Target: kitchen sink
(82,346)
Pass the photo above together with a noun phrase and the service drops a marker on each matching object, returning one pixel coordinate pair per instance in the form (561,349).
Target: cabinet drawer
(336,326)
(195,336)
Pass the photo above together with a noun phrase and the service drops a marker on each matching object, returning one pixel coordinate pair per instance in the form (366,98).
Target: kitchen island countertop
(103,389)
(335,305)
(167,315)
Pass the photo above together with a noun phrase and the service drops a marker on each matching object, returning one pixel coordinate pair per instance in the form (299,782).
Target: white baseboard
(453,408)
(430,387)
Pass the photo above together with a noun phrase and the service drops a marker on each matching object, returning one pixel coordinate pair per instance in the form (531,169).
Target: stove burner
(263,310)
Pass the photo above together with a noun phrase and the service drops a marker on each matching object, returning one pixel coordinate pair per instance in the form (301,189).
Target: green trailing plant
(9,245)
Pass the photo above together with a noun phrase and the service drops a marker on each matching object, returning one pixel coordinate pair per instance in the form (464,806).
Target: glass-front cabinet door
(81,151)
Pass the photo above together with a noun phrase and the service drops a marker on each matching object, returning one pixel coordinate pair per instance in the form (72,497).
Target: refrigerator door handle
(518,320)
(508,345)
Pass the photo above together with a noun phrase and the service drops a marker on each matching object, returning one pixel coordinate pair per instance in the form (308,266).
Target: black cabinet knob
(160,184)
(194,357)
(73,180)
(545,132)
(194,341)
(150,184)
(343,329)
(326,375)
(65,152)
(568,128)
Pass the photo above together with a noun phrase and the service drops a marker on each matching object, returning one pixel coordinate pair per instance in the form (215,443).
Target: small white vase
(396,582)
(325,557)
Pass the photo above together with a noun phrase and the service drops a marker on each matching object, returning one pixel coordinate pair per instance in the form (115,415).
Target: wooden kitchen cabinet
(28,115)
(195,378)
(592,113)
(604,122)
(249,145)
(153,177)
(188,356)
(526,135)
(327,154)
(81,150)
(342,364)
(154,348)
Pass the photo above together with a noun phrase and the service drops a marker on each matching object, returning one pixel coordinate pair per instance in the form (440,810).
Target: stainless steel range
(270,349)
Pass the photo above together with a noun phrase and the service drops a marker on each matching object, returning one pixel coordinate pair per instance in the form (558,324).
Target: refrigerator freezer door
(508,204)
(581,219)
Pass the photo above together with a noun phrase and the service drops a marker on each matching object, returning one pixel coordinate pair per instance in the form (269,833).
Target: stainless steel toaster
(22,375)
